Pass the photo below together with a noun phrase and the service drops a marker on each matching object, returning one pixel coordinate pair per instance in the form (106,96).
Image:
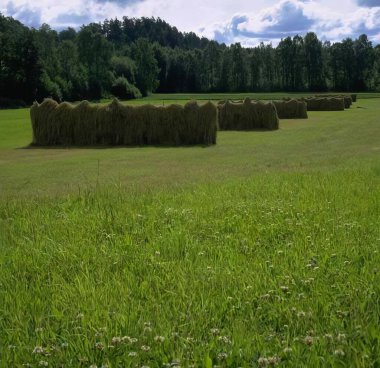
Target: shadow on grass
(103,146)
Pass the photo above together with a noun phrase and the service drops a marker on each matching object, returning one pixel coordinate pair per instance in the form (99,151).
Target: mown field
(260,251)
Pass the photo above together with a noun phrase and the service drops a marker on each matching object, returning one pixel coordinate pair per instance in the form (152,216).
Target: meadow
(262,250)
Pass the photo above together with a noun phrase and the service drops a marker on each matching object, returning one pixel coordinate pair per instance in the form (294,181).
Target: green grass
(265,242)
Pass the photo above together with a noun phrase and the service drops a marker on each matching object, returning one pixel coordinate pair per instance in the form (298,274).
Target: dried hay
(117,124)
(248,116)
(324,103)
(348,99)
(291,109)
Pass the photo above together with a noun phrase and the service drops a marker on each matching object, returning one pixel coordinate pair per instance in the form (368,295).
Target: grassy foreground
(261,251)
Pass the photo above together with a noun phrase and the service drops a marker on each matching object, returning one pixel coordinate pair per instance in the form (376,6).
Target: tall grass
(280,266)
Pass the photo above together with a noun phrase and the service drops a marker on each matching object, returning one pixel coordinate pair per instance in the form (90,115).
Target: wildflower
(43,363)
(64,345)
(38,350)
(157,253)
(12,347)
(190,339)
(147,329)
(38,329)
(93,366)
(284,289)
(301,314)
(99,345)
(116,340)
(80,315)
(215,331)
(288,350)
(274,360)
(224,339)
(339,352)
(341,337)
(145,348)
(263,362)
(128,340)
(308,340)
(328,337)
(222,356)
(159,338)
(132,354)
(201,253)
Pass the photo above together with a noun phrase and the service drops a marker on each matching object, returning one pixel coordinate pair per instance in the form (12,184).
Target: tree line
(133,57)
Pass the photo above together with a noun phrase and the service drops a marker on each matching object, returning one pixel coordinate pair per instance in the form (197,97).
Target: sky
(246,21)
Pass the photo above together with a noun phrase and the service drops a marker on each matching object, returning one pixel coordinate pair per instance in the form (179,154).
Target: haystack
(248,116)
(324,104)
(116,124)
(348,99)
(291,109)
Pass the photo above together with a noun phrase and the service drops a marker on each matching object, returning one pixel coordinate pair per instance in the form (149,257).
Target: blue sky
(245,21)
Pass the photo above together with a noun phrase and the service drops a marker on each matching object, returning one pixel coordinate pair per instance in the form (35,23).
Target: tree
(147,68)
(365,60)
(314,63)
(95,53)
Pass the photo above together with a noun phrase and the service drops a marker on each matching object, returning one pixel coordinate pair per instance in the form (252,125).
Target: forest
(133,57)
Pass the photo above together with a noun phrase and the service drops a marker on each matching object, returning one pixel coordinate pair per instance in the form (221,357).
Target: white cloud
(248,22)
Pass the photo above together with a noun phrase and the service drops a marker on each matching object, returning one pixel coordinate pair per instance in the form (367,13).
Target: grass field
(260,251)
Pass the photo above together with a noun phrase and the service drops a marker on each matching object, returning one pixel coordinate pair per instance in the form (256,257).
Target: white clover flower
(215,331)
(308,340)
(116,340)
(339,352)
(99,345)
(159,338)
(222,356)
(225,339)
(263,362)
(145,348)
(38,350)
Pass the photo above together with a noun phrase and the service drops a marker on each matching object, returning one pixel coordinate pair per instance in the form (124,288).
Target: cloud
(369,3)
(292,17)
(119,2)
(26,15)
(259,20)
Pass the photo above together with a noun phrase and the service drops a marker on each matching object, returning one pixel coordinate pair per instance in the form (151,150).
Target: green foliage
(49,88)
(147,68)
(121,88)
(123,66)
(157,57)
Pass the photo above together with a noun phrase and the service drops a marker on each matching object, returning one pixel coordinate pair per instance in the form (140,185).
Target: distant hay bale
(348,99)
(248,116)
(117,124)
(324,103)
(347,102)
(291,109)
(354,97)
